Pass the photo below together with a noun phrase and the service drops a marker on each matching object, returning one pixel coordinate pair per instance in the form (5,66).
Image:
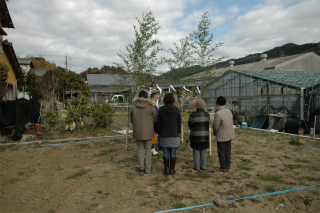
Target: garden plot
(102,177)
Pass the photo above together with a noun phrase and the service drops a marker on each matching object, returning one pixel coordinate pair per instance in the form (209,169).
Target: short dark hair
(169,98)
(153,94)
(143,94)
(221,100)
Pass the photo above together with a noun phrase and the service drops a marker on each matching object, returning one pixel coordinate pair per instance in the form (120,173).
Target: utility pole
(66,62)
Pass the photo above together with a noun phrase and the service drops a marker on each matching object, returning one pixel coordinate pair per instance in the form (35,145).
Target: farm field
(101,176)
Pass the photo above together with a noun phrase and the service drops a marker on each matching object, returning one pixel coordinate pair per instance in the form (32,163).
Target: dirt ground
(101,176)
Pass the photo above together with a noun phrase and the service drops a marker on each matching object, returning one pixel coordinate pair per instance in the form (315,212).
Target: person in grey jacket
(224,132)
(199,135)
(169,130)
(143,115)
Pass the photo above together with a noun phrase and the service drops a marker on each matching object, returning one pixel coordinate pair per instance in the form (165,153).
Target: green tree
(141,61)
(4,74)
(280,54)
(33,86)
(205,47)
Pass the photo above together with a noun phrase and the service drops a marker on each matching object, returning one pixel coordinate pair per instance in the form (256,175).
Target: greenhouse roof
(301,79)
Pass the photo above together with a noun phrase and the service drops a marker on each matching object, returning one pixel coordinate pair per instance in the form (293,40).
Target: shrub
(50,117)
(102,113)
(79,107)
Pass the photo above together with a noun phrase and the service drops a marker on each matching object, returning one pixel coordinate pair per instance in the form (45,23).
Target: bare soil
(101,176)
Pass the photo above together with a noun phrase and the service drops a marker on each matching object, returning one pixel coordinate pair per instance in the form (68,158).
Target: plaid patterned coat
(199,125)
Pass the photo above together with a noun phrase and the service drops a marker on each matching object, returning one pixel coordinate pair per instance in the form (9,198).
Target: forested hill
(104,70)
(285,50)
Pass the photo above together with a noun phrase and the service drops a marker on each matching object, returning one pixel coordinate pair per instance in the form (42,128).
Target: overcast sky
(91,32)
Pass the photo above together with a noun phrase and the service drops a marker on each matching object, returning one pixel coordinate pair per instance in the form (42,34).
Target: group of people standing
(148,121)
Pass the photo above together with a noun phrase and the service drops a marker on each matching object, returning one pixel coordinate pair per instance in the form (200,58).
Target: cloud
(233,9)
(270,25)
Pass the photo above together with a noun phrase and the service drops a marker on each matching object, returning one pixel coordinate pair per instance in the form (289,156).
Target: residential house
(7,54)
(104,86)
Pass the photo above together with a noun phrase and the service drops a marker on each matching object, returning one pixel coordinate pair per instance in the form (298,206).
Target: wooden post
(210,140)
(127,138)
(182,133)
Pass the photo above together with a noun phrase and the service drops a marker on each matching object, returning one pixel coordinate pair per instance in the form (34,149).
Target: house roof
(5,17)
(26,61)
(11,55)
(274,63)
(106,90)
(301,79)
(39,72)
(103,79)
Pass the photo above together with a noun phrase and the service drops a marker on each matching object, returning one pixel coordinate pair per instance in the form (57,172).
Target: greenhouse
(254,93)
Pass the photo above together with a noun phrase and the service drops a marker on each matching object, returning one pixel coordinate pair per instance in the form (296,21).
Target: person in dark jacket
(169,130)
(199,135)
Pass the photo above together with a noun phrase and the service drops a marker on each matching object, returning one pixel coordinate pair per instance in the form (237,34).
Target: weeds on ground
(302,160)
(242,167)
(14,180)
(294,166)
(269,177)
(316,168)
(295,142)
(252,185)
(269,188)
(78,174)
(309,178)
(105,152)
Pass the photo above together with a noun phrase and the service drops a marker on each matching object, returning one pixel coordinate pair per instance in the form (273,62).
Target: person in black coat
(169,130)
(199,135)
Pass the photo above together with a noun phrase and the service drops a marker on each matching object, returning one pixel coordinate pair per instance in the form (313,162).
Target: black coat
(199,125)
(169,121)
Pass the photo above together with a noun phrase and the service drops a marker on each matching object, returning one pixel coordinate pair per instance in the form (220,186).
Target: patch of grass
(155,193)
(302,160)
(159,179)
(52,211)
(252,185)
(240,152)
(307,202)
(140,193)
(269,177)
(245,160)
(20,173)
(78,174)
(294,166)
(237,190)
(187,176)
(14,180)
(105,152)
(203,174)
(2,149)
(76,167)
(279,148)
(310,178)
(243,204)
(315,168)
(298,149)
(269,188)
(242,167)
(147,203)
(131,175)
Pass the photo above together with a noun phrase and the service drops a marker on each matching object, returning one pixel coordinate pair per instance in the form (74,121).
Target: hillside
(287,49)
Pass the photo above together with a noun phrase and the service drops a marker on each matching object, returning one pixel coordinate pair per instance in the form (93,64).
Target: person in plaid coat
(199,135)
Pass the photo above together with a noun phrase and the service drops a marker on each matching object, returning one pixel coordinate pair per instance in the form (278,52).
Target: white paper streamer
(184,87)
(198,89)
(172,88)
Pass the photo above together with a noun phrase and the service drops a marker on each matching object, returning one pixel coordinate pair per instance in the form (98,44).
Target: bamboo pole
(182,133)
(127,138)
(210,140)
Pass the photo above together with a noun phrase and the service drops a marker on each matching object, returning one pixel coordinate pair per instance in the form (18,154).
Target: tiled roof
(301,79)
(103,79)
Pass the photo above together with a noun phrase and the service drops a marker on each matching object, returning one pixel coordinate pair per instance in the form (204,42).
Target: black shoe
(196,169)
(203,169)
(141,171)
